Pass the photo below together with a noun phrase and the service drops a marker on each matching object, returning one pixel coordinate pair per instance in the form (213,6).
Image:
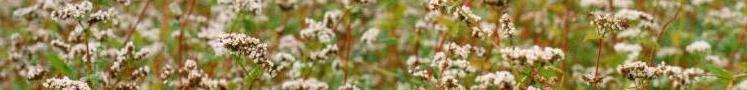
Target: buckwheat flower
(65,84)
(633,50)
(435,5)
(304,84)
(464,13)
(244,45)
(485,29)
(332,18)
(607,23)
(33,72)
(532,56)
(252,6)
(668,51)
(506,28)
(630,33)
(100,16)
(318,30)
(698,46)
(499,79)
(682,77)
(141,72)
(638,71)
(370,36)
(348,86)
(533,88)
(742,85)
(461,51)
(72,11)
(291,44)
(592,76)
(324,53)
(717,60)
(450,83)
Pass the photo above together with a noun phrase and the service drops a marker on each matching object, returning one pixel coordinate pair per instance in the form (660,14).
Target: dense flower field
(373,44)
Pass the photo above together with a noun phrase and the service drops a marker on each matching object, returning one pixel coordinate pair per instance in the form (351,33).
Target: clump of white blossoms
(532,56)
(464,13)
(33,72)
(241,44)
(73,11)
(348,86)
(251,6)
(633,50)
(370,36)
(65,84)
(506,27)
(304,84)
(102,15)
(698,46)
(463,51)
(318,30)
(682,77)
(450,83)
(638,71)
(324,53)
(591,76)
(499,79)
(607,23)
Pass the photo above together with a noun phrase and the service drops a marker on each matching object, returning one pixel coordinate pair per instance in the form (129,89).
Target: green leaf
(59,65)
(719,72)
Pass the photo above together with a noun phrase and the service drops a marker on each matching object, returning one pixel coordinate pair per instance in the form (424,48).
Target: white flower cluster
(429,22)
(450,83)
(464,50)
(607,23)
(33,72)
(485,29)
(73,11)
(318,30)
(499,79)
(591,76)
(251,6)
(304,84)
(417,67)
(638,71)
(698,46)
(532,56)
(102,15)
(435,5)
(348,86)
(680,76)
(507,29)
(464,13)
(324,53)
(242,44)
(370,36)
(633,50)
(65,84)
